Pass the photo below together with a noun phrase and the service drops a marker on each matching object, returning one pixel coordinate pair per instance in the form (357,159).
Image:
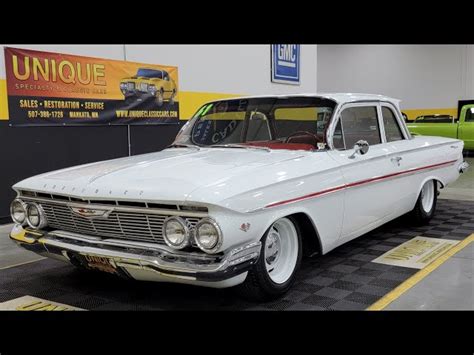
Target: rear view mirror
(361,147)
(258,116)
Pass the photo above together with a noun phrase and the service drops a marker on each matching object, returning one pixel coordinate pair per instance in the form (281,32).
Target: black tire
(159,98)
(419,215)
(129,100)
(258,285)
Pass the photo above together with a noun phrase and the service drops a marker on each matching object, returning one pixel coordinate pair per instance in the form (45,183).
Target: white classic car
(249,186)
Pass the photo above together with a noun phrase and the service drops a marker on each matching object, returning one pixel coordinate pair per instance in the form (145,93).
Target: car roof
(340,98)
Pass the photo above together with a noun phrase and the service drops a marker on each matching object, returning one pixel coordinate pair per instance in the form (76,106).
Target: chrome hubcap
(272,248)
(281,250)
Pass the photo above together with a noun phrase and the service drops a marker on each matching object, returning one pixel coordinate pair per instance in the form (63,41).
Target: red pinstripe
(357,183)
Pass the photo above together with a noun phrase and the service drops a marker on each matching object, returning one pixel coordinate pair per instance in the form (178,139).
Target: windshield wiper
(239,146)
(182,145)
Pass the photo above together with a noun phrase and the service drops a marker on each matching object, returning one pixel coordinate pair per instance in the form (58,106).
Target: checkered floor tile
(344,279)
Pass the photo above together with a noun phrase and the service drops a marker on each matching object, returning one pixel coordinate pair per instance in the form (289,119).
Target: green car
(438,125)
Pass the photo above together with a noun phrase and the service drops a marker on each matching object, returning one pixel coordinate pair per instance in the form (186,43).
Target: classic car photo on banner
(63,89)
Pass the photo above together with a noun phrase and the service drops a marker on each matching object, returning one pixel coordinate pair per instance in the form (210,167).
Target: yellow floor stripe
(420,275)
(19,264)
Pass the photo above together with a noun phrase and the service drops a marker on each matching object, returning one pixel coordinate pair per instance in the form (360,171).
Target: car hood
(139,79)
(176,175)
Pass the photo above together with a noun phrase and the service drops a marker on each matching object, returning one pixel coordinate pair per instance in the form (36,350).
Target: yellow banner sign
(53,88)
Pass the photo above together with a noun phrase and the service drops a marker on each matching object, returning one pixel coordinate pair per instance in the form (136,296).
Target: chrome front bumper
(131,256)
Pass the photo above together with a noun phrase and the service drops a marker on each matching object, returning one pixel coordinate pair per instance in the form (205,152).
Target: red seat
(280,145)
(304,139)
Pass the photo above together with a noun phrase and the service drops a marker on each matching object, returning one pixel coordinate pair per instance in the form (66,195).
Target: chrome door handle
(396,160)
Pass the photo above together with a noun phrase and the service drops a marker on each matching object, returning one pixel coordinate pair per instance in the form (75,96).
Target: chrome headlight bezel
(23,206)
(216,226)
(185,227)
(42,222)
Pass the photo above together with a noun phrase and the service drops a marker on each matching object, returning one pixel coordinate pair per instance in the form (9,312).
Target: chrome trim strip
(129,244)
(182,213)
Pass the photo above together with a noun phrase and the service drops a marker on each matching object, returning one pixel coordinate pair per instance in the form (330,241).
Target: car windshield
(275,123)
(149,73)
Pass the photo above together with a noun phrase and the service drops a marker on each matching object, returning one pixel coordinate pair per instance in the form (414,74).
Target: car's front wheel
(280,257)
(160,98)
(426,204)
(173,95)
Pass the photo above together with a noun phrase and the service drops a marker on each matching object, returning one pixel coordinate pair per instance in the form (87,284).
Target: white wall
(237,69)
(422,76)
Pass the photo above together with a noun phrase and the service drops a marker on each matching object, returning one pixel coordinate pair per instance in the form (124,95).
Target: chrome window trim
(383,134)
(337,116)
(403,128)
(340,107)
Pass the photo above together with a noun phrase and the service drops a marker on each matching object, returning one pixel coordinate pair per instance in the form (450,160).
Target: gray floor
(462,188)
(10,254)
(449,287)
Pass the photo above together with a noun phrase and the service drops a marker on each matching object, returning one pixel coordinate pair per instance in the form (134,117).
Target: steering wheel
(299,133)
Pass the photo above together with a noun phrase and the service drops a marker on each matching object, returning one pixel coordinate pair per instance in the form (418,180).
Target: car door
(405,155)
(369,194)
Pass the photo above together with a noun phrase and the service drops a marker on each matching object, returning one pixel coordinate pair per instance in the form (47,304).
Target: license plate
(99,263)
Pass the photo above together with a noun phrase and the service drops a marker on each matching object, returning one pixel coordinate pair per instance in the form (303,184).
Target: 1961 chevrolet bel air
(249,186)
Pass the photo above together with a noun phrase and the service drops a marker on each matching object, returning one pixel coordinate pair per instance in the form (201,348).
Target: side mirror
(361,147)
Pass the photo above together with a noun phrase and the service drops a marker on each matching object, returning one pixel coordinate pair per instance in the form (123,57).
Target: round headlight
(208,235)
(176,232)
(35,216)
(18,212)
(152,89)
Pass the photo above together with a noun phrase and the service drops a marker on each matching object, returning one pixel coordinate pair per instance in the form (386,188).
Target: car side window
(469,115)
(359,123)
(392,129)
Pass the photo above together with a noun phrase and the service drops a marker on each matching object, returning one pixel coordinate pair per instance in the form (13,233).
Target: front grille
(130,86)
(143,87)
(134,226)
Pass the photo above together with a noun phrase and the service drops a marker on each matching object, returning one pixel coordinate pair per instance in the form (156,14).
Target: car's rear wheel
(426,204)
(280,257)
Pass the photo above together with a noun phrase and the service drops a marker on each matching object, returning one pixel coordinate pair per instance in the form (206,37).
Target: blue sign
(286,63)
